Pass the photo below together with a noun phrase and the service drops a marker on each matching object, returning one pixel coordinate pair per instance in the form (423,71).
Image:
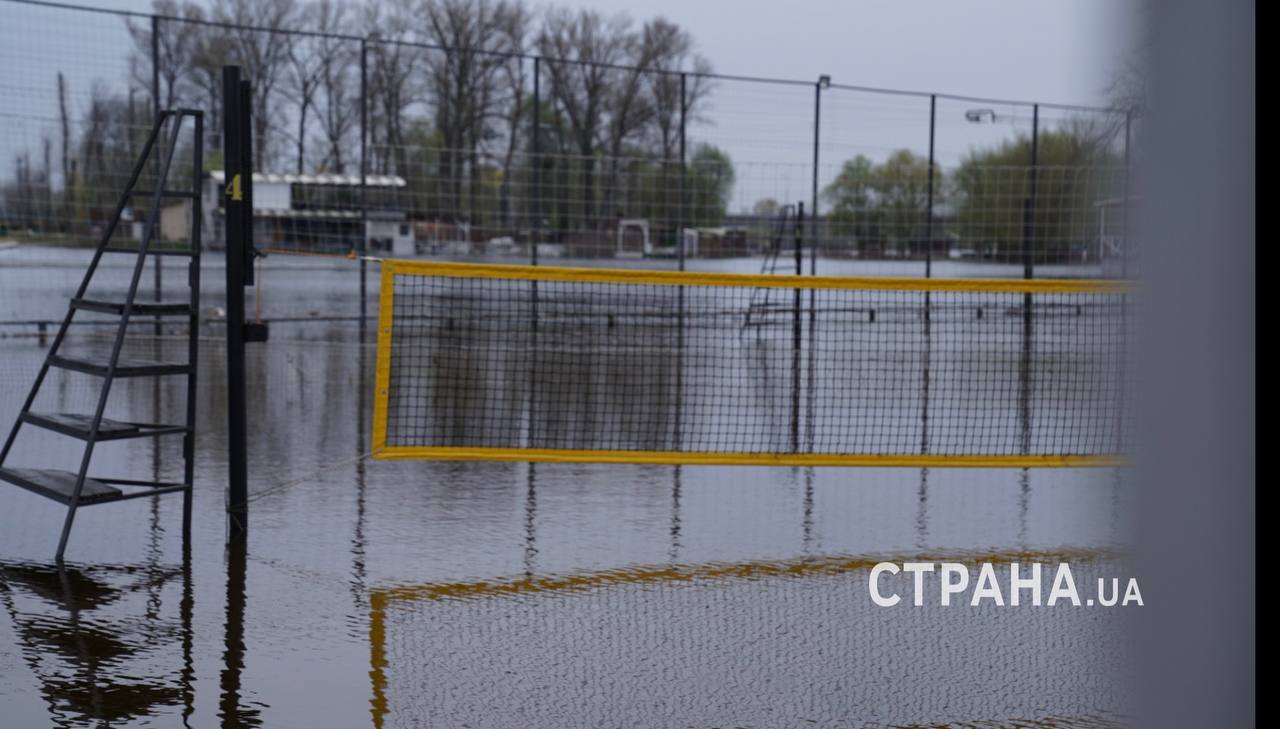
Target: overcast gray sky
(1052,50)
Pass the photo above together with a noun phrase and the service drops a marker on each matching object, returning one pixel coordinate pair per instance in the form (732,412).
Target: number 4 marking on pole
(235,188)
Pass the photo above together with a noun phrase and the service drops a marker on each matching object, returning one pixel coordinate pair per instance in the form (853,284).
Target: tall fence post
(680,221)
(796,332)
(535,205)
(364,185)
(1028,271)
(928,209)
(813,210)
(155,112)
(927,358)
(1029,206)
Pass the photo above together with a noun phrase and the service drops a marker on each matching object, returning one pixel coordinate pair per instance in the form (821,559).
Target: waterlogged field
(404,594)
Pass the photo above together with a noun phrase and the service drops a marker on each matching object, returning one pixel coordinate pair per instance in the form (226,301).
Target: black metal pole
(246,165)
(680,221)
(1029,210)
(928,211)
(536,203)
(155,111)
(1028,271)
(797,333)
(236,219)
(193,318)
(928,273)
(680,294)
(813,211)
(364,184)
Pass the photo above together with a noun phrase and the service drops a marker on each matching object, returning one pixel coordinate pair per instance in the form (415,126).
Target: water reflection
(674,555)
(231,706)
(586,647)
(100,641)
(531,521)
(336,540)
(922,510)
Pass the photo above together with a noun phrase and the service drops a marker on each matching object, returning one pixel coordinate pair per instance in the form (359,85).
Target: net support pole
(797,334)
(1028,272)
(928,273)
(155,110)
(239,218)
(364,185)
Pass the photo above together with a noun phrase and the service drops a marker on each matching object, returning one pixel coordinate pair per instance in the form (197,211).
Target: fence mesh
(565,136)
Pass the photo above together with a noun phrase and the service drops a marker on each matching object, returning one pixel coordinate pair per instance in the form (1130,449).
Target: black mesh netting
(517,364)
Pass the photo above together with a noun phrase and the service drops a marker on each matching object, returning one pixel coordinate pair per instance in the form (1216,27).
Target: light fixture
(977,116)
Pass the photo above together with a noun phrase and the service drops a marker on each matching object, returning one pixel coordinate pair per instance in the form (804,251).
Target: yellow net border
(392,268)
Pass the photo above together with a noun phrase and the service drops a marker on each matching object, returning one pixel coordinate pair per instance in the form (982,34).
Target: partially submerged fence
(553,137)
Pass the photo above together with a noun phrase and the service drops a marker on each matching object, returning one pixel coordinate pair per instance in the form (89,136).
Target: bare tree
(303,76)
(264,55)
(587,48)
(68,175)
(392,68)
(105,150)
(175,46)
(462,82)
(338,110)
(630,110)
(677,90)
(211,49)
(673,53)
(514,26)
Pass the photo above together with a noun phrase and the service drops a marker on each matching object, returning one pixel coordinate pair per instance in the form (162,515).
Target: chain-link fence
(470,132)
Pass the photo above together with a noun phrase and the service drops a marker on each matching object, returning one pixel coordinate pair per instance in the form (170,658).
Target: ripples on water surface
(488,594)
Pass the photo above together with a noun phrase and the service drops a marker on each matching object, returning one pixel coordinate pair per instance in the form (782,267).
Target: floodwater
(409,594)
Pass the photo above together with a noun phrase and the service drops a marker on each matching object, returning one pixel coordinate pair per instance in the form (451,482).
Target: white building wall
(272,196)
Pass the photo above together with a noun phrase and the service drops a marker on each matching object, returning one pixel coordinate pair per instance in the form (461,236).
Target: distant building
(319,213)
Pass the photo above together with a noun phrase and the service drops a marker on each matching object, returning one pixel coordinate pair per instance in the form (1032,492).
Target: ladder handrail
(90,428)
(84,283)
(153,219)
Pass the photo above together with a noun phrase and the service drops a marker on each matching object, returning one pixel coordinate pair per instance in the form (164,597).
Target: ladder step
(59,485)
(117,307)
(150,252)
(125,367)
(77,425)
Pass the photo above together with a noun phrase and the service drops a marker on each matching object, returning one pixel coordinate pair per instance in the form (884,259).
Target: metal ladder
(76,488)
(761,298)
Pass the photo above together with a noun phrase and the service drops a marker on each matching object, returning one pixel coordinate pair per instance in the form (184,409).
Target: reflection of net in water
(784,643)
(606,365)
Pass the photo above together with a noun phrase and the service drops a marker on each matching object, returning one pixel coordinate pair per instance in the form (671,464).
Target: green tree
(765,207)
(880,206)
(1076,168)
(710,181)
